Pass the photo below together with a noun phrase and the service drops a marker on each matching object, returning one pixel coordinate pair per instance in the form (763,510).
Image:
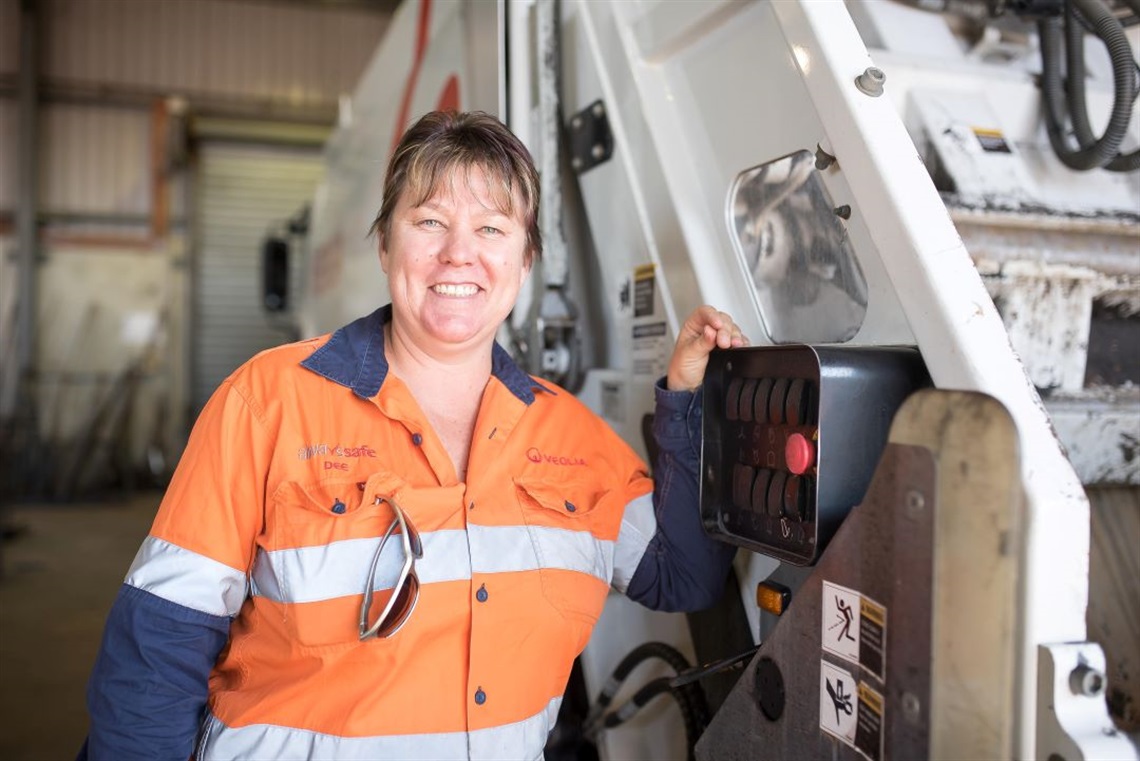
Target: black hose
(690,698)
(1104,150)
(1111,32)
(690,714)
(634,658)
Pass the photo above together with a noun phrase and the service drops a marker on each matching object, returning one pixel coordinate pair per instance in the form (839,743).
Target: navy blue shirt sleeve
(148,689)
(683,568)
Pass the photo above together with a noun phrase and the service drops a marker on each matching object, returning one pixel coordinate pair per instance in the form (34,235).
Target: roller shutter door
(242,192)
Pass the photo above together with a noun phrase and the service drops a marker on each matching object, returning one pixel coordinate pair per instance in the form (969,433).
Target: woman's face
(454,265)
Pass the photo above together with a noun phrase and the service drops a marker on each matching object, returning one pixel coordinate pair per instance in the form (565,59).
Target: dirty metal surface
(883,553)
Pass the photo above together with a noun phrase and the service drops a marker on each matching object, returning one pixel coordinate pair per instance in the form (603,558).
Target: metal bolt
(598,109)
(728,367)
(912,708)
(843,212)
(576,122)
(1086,681)
(870,82)
(823,159)
(598,150)
(915,504)
(576,162)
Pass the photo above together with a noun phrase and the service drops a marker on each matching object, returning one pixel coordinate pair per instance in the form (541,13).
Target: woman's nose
(459,248)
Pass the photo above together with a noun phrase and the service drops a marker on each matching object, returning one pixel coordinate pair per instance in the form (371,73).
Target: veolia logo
(534,455)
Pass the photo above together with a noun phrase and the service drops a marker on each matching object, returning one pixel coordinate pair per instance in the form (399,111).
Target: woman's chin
(455,332)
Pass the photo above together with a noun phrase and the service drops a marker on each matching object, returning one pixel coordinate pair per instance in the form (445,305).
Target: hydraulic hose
(1100,152)
(1110,30)
(690,699)
(694,726)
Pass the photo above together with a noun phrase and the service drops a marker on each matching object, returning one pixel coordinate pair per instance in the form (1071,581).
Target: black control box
(792,435)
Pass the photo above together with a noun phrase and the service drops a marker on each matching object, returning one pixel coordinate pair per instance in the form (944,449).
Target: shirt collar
(354,357)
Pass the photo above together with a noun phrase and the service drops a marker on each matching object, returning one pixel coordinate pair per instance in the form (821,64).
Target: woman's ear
(383,250)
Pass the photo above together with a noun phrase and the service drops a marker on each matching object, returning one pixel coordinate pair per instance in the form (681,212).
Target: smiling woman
(517,509)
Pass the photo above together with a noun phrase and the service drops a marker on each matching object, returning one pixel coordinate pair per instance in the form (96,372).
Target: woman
(391,542)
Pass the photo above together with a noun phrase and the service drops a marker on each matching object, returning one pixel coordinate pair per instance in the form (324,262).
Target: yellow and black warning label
(644,290)
(872,636)
(992,140)
(869,723)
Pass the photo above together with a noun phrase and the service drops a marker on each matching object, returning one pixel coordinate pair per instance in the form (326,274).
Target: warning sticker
(651,349)
(841,621)
(854,627)
(838,696)
(644,291)
(992,140)
(872,636)
(869,723)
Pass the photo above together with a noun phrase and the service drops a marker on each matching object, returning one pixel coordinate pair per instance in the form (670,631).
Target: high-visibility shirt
(255,569)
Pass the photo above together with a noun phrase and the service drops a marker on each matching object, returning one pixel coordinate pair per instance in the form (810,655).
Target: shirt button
(417,439)
(338,507)
(480,697)
(570,506)
(481,595)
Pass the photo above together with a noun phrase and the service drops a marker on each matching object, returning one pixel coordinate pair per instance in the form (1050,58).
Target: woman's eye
(491,230)
(429,223)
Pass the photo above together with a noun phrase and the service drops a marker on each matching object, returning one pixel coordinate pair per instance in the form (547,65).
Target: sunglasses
(406,591)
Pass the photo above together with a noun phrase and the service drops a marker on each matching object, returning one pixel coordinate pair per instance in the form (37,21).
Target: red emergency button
(799,453)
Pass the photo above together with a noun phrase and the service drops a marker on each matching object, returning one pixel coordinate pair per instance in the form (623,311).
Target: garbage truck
(926,216)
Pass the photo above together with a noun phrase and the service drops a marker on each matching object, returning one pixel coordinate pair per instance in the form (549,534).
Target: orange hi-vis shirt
(272,519)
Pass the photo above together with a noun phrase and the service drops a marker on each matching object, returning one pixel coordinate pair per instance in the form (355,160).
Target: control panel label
(838,702)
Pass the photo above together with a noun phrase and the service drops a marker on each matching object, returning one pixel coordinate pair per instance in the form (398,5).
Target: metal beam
(210,105)
(27,181)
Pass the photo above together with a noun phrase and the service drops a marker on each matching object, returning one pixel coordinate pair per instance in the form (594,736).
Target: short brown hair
(442,141)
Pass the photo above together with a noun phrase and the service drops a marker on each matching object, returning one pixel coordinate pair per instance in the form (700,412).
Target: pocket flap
(337,495)
(571,499)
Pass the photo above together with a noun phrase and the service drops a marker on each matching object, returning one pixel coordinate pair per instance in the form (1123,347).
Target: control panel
(792,435)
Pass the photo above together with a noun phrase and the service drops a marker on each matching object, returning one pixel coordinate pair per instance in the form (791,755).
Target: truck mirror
(275,274)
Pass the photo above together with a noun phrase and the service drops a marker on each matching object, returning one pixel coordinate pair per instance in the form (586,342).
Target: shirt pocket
(574,565)
(325,534)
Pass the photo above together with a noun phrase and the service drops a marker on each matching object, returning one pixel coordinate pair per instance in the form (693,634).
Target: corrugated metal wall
(96,160)
(269,69)
(241,191)
(280,50)
(264,59)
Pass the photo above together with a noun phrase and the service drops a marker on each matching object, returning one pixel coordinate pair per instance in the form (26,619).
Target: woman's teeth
(446,289)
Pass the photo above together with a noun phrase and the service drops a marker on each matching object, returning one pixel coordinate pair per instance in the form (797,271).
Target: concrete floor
(58,578)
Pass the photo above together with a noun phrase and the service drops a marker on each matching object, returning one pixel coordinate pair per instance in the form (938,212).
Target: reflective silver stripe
(338,569)
(573,551)
(187,578)
(638,525)
(501,549)
(522,740)
(498,549)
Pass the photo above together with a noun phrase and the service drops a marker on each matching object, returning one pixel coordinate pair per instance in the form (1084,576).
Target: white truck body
(699,92)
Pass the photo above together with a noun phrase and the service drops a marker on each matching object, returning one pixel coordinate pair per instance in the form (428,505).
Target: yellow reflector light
(773,597)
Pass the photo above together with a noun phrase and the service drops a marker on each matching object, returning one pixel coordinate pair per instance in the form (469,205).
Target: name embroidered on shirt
(338,450)
(534,455)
